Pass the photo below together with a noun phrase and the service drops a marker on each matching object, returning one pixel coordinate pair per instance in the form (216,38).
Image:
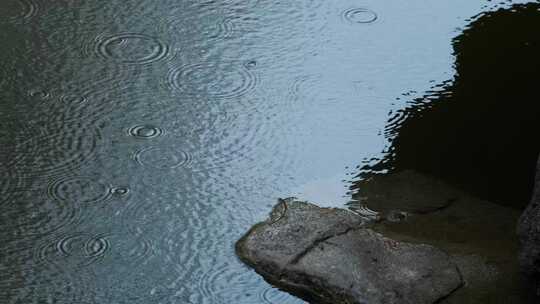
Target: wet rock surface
(292,229)
(332,256)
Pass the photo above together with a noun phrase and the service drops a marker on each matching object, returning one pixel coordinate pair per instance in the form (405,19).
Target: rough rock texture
(529,232)
(330,256)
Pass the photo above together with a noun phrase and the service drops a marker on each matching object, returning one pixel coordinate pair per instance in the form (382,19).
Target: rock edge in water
(328,255)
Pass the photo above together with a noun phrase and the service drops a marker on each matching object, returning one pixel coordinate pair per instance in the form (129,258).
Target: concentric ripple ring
(223,283)
(72,99)
(162,158)
(78,249)
(360,15)
(79,189)
(145,131)
(219,80)
(27,10)
(119,48)
(272,295)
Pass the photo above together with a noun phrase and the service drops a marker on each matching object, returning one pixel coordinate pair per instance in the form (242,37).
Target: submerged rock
(331,256)
(479,235)
(406,192)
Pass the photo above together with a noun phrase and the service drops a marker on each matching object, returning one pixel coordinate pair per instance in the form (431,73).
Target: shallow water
(141,139)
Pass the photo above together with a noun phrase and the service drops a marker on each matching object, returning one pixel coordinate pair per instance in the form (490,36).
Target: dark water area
(478,130)
(140,139)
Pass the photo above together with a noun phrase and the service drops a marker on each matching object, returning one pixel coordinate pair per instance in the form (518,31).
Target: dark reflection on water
(140,139)
(478,130)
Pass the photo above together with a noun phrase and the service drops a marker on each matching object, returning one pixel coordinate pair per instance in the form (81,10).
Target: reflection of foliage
(479,132)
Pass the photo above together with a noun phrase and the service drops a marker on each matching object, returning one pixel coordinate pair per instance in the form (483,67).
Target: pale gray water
(141,139)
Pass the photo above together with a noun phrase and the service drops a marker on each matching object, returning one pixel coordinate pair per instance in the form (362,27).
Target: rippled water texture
(140,139)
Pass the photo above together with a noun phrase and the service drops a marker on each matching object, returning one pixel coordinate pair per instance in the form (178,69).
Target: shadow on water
(478,131)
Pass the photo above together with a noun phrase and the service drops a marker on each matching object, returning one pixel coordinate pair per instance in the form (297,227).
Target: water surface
(140,139)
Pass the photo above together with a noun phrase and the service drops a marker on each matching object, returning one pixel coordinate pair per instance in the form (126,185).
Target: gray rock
(330,256)
(529,232)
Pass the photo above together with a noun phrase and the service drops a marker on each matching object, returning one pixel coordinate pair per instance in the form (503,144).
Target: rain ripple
(225,283)
(77,250)
(39,94)
(302,90)
(145,131)
(131,48)
(22,10)
(70,107)
(73,99)
(162,157)
(274,296)
(215,80)
(120,191)
(135,250)
(79,190)
(359,15)
(74,102)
